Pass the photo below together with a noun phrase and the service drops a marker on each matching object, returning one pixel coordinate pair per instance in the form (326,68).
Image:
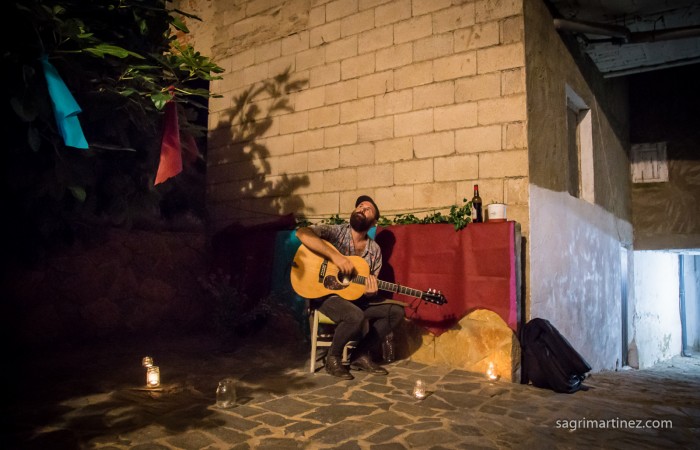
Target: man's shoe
(335,367)
(364,362)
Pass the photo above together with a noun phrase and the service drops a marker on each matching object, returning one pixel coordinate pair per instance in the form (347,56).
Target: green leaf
(107,49)
(78,193)
(199,92)
(144,67)
(334,220)
(179,24)
(128,92)
(186,14)
(160,99)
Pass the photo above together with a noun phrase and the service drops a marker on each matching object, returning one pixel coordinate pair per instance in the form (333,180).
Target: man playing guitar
(352,240)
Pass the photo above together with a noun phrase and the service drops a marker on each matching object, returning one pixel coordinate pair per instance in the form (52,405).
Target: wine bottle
(477,215)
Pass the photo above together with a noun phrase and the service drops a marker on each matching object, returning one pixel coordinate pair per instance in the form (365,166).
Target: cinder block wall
(410,101)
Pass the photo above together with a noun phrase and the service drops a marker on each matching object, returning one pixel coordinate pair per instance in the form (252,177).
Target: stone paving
(95,397)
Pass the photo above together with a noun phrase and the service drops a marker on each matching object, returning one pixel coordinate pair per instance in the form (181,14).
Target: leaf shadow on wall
(242,181)
(252,196)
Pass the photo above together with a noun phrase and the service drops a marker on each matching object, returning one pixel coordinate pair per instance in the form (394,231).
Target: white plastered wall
(655,327)
(575,273)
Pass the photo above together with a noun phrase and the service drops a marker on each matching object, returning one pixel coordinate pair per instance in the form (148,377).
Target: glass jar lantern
(153,377)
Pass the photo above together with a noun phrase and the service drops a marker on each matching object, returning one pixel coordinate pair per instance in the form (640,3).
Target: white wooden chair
(323,339)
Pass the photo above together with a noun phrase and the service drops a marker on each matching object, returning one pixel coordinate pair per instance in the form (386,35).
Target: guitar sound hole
(333,284)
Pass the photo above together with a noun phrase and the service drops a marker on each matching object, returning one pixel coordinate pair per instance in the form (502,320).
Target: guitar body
(313,276)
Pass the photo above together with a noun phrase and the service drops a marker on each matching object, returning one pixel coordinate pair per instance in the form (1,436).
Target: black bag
(549,360)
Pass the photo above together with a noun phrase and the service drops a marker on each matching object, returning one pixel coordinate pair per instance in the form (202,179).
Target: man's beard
(359,222)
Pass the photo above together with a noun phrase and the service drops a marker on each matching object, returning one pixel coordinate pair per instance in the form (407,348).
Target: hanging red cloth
(170,148)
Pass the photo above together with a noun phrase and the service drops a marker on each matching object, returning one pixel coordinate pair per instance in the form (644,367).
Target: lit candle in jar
(491,372)
(419,390)
(153,377)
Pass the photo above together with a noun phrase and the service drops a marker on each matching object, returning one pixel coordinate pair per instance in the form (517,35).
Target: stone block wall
(410,101)
(481,341)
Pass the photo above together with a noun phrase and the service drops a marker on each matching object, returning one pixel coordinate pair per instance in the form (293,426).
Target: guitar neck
(392,287)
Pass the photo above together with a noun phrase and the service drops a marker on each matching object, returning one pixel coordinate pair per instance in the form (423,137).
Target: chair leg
(347,350)
(314,337)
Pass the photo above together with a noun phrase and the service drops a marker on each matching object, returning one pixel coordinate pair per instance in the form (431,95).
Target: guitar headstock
(434,296)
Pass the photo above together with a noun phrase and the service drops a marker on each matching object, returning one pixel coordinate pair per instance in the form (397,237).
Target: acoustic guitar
(313,276)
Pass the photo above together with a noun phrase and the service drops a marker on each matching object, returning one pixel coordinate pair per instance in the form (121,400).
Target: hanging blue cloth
(65,108)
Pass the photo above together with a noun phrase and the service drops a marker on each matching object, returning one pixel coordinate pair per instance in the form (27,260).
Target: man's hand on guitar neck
(372,285)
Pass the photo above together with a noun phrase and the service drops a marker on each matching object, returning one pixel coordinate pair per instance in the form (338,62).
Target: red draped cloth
(475,268)
(170,149)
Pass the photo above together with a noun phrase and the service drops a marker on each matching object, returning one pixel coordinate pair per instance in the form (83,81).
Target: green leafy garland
(459,216)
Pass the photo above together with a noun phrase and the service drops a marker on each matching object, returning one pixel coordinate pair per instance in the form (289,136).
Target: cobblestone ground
(94,397)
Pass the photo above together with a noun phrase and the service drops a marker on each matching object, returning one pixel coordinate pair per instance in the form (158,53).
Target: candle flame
(491,372)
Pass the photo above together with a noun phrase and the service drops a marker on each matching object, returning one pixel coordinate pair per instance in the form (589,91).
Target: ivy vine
(459,216)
